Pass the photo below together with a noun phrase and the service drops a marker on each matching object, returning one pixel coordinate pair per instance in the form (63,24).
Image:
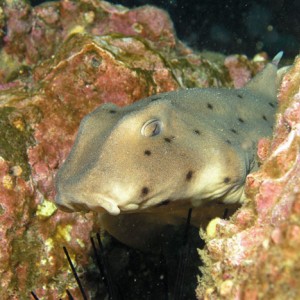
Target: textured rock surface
(54,69)
(256,255)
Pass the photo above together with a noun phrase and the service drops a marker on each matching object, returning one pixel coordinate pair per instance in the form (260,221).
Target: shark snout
(76,201)
(101,195)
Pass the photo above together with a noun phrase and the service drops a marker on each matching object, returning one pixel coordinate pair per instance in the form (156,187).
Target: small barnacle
(137,27)
(89,17)
(211,229)
(16,171)
(226,287)
(16,120)
(19,124)
(8,182)
(76,29)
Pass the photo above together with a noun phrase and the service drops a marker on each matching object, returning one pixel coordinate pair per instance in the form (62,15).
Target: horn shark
(148,162)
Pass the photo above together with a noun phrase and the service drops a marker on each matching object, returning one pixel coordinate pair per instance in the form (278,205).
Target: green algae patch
(25,258)
(15,138)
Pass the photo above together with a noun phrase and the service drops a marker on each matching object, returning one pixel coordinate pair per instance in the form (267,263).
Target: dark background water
(232,26)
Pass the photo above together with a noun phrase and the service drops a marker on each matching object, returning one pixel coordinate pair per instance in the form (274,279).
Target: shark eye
(151,128)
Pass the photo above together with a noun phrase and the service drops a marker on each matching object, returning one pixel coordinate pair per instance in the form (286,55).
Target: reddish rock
(36,33)
(240,70)
(262,257)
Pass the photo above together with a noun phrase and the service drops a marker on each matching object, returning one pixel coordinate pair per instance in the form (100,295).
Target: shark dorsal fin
(264,83)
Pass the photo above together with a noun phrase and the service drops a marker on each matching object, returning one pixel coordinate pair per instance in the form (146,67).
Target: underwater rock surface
(54,69)
(256,255)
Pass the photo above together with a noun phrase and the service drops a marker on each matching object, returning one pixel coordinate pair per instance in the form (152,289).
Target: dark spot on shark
(169,139)
(234,131)
(147,152)
(228,142)
(210,106)
(271,104)
(240,96)
(189,175)
(241,120)
(264,117)
(197,131)
(145,191)
(226,180)
(112,111)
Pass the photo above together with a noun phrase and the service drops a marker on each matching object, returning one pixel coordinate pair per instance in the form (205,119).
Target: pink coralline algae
(240,70)
(255,255)
(62,60)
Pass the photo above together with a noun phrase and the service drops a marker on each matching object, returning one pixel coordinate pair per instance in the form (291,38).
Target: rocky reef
(255,254)
(54,69)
